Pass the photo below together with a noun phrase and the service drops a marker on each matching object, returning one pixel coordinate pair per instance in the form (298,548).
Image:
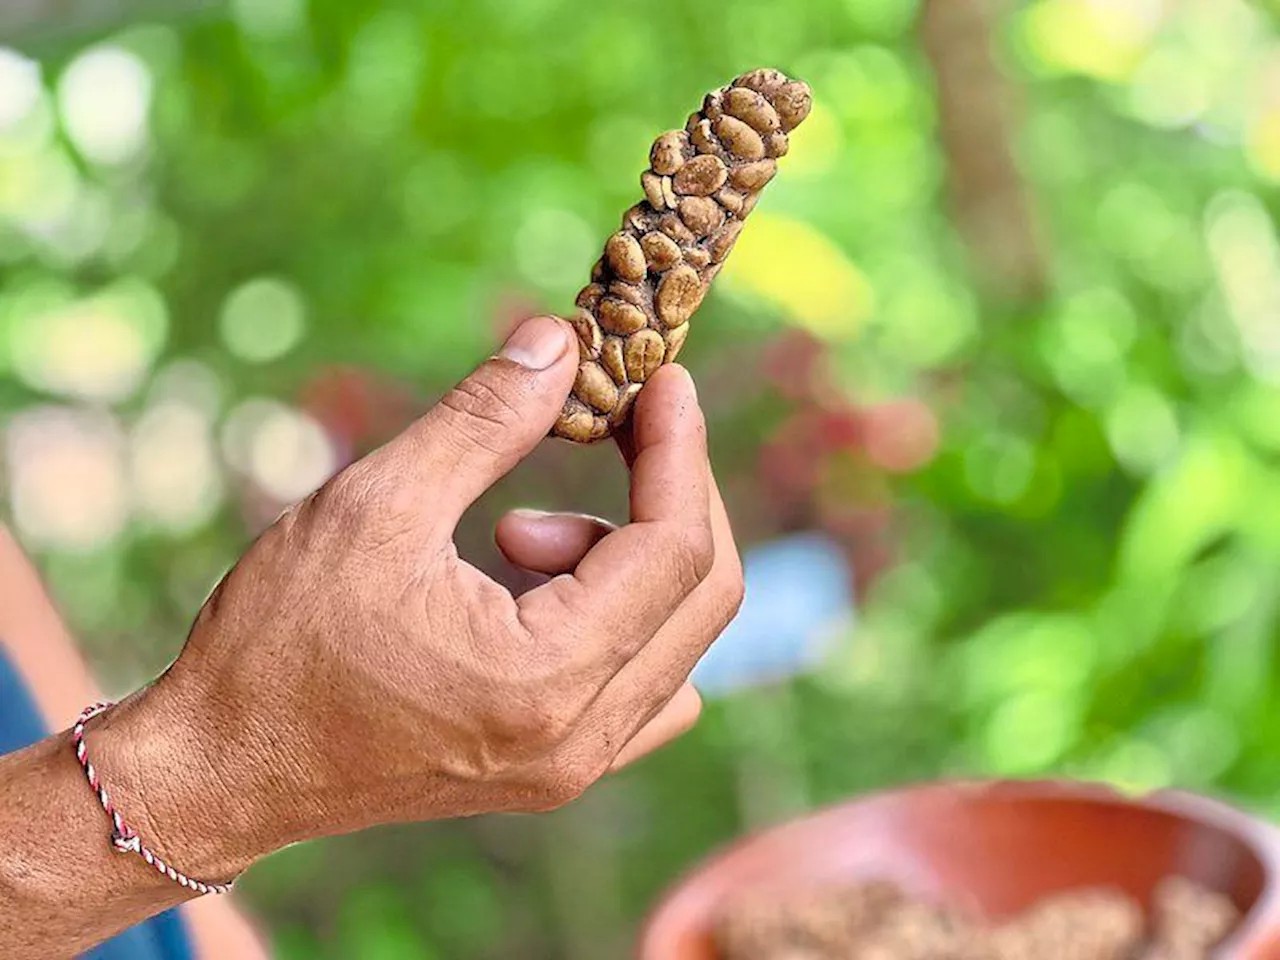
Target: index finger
(632,581)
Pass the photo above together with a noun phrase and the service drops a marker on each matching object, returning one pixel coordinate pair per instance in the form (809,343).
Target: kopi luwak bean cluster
(701,183)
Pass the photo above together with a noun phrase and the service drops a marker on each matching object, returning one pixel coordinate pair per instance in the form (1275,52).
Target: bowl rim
(1260,922)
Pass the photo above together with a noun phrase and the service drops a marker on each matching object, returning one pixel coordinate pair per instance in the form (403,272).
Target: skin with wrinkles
(352,670)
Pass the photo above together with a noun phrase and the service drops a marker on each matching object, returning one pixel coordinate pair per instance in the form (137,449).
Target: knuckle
(731,594)
(539,701)
(477,405)
(526,728)
(552,722)
(509,729)
(504,743)
(566,779)
(694,553)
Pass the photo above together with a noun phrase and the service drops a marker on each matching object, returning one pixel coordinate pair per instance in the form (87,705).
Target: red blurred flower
(855,522)
(793,363)
(901,435)
(839,429)
(791,460)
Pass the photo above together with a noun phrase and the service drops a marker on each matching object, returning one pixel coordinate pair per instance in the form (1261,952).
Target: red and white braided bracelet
(123,838)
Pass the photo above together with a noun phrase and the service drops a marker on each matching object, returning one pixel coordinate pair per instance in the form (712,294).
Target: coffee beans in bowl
(877,920)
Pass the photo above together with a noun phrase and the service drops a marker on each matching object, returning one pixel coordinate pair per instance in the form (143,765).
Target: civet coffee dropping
(876,920)
(701,183)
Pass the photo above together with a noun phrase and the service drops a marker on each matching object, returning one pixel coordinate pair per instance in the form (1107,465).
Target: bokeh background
(993,381)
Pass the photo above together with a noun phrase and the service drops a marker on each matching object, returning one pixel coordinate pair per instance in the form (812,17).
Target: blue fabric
(799,597)
(161,938)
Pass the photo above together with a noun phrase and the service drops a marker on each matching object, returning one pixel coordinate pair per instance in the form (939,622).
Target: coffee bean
(696,257)
(594,387)
(675,339)
(639,219)
(751,108)
(576,422)
(669,193)
(625,256)
(701,215)
(589,296)
(644,352)
(701,176)
(667,155)
(875,920)
(704,139)
(739,139)
(753,176)
(731,200)
(635,294)
(679,293)
(652,185)
(674,227)
(589,334)
(661,251)
(612,360)
(711,108)
(793,102)
(764,81)
(619,317)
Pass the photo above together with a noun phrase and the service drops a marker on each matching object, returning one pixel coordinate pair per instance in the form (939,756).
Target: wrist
(175,786)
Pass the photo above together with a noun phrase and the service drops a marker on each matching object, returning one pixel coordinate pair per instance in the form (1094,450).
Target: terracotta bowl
(998,846)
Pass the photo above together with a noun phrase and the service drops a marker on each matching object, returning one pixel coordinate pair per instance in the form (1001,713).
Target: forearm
(38,644)
(63,888)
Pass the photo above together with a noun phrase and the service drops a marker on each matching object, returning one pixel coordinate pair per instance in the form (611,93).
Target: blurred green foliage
(1063,508)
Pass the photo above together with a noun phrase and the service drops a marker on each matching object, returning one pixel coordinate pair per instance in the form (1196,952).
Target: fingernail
(537,343)
(528,513)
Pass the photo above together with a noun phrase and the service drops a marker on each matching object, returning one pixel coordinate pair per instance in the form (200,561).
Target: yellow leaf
(1102,40)
(800,270)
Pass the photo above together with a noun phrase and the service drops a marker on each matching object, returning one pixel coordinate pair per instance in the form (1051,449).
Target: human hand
(352,670)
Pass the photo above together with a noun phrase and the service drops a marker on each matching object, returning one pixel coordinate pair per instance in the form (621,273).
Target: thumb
(491,420)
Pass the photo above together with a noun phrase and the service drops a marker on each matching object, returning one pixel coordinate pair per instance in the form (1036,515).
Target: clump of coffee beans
(876,920)
(701,183)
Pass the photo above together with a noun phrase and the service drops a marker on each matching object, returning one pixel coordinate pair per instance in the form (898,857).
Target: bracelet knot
(123,838)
